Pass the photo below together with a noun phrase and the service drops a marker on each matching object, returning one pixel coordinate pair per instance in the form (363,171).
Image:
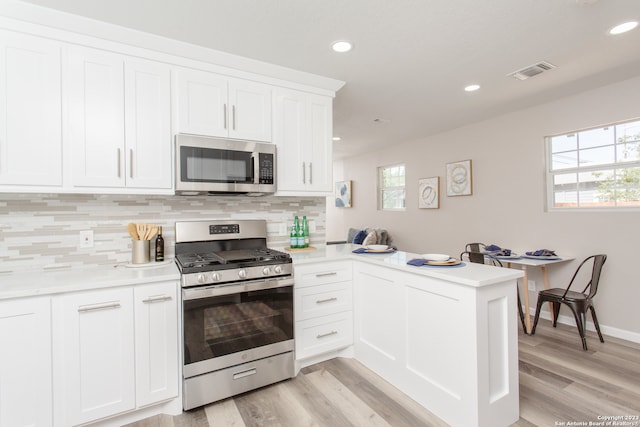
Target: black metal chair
(578,302)
(473,252)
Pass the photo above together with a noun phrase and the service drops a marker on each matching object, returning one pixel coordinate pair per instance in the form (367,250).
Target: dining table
(525,262)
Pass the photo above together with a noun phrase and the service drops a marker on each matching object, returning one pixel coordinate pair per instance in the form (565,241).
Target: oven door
(228,325)
(211,165)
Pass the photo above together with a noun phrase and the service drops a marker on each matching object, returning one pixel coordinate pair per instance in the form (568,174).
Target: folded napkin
(503,252)
(542,252)
(417,262)
(359,251)
(492,248)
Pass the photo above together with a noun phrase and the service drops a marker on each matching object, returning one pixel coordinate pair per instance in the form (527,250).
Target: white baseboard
(606,330)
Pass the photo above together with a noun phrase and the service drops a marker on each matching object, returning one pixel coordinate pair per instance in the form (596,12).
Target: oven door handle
(218,290)
(255,166)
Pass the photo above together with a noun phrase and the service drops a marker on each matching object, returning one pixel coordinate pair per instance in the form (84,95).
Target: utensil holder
(140,251)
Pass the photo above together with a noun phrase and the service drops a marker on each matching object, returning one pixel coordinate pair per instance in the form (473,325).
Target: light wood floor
(559,383)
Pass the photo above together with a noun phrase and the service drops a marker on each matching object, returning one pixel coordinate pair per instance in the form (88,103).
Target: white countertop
(17,285)
(469,274)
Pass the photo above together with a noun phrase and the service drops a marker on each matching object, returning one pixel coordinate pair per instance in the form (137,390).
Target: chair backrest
(474,252)
(592,285)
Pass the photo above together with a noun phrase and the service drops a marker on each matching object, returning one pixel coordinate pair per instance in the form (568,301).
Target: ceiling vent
(532,70)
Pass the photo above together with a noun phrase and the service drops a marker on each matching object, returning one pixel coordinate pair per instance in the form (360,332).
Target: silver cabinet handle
(310,173)
(233,117)
(331,273)
(225,116)
(328,334)
(304,173)
(131,163)
(119,163)
(95,307)
(246,373)
(157,298)
(322,301)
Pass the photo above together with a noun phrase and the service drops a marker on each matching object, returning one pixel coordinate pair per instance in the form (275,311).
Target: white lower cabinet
(115,350)
(25,363)
(323,308)
(93,355)
(156,317)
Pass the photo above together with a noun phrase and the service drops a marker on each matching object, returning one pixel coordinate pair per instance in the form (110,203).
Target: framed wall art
(459,178)
(429,193)
(343,194)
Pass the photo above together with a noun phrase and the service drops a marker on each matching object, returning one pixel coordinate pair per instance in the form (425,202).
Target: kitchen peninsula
(445,336)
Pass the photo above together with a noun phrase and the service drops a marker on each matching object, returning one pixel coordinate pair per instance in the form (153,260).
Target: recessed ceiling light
(342,46)
(472,88)
(623,28)
(336,138)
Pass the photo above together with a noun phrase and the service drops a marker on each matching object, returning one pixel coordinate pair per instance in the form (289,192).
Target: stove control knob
(266,271)
(202,278)
(277,269)
(242,273)
(215,277)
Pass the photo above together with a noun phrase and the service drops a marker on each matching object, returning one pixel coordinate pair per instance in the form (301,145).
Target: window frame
(615,165)
(381,188)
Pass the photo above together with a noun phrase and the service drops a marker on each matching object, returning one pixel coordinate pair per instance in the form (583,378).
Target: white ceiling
(412,58)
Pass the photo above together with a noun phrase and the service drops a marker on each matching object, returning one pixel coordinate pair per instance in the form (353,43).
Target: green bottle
(294,233)
(305,231)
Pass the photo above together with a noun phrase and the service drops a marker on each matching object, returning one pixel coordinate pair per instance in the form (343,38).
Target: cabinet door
(320,149)
(289,131)
(30,111)
(302,131)
(157,369)
(250,110)
(201,103)
(95,101)
(94,354)
(148,124)
(25,363)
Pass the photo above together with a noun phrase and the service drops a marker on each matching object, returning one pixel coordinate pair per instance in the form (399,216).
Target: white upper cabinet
(302,131)
(213,105)
(30,111)
(118,120)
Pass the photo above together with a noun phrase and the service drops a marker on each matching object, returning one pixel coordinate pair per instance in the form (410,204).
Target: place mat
(308,248)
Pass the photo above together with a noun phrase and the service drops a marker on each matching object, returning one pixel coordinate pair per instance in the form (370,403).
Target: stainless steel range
(237,309)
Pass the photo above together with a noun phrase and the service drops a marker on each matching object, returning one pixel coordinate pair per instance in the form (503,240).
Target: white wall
(507,205)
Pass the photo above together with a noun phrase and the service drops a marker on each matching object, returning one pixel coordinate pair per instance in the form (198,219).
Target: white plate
(377,247)
(435,257)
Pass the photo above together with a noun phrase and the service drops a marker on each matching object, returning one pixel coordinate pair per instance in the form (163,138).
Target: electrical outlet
(532,285)
(282,229)
(86,239)
(312,226)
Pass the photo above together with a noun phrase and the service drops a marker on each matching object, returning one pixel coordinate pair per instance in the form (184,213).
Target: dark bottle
(159,246)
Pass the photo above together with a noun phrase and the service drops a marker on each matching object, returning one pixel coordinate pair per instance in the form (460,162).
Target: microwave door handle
(255,166)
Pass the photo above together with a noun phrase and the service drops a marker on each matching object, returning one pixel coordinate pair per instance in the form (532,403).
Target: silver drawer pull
(328,334)
(157,298)
(320,301)
(246,373)
(94,307)
(332,273)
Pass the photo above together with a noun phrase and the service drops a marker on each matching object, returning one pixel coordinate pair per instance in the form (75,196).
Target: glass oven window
(227,324)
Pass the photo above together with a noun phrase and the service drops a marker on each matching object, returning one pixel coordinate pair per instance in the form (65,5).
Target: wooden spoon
(140,230)
(131,228)
(151,231)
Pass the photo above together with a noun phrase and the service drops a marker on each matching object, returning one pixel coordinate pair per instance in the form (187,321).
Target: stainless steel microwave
(206,165)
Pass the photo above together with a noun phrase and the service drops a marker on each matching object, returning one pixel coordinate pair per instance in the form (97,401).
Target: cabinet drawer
(322,334)
(321,300)
(318,274)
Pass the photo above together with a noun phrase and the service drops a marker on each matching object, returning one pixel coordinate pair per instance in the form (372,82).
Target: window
(391,190)
(595,168)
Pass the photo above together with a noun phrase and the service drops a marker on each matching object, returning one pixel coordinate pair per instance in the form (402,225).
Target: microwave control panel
(266,167)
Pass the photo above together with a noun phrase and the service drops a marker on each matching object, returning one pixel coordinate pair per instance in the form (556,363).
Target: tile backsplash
(42,231)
